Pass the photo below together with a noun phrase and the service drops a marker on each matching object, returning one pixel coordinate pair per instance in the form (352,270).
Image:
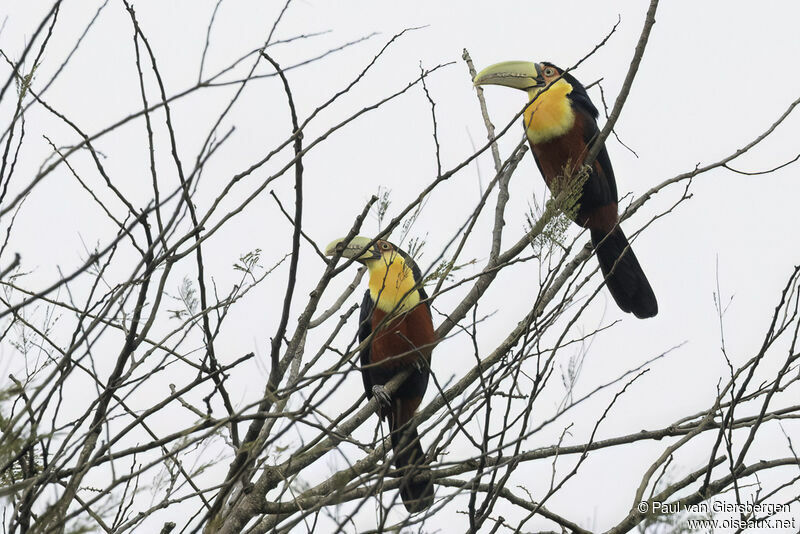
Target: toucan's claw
(382,395)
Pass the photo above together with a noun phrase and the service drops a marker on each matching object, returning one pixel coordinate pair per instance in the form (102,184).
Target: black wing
(364,331)
(601,187)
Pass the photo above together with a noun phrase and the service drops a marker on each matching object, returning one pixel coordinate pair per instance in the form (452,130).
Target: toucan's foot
(382,395)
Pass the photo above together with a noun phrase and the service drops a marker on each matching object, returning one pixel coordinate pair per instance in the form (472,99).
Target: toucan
(396,323)
(561,125)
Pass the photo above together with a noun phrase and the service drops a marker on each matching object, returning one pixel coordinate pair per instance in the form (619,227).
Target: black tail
(408,453)
(624,276)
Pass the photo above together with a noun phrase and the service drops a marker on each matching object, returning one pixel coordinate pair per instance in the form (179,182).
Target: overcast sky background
(715,75)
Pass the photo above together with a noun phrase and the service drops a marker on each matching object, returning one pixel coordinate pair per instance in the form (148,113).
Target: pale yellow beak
(356,248)
(522,75)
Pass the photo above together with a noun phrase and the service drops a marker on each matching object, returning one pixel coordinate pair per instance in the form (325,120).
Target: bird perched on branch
(396,323)
(561,125)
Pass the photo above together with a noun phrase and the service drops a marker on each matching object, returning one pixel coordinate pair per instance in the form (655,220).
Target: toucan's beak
(356,248)
(517,74)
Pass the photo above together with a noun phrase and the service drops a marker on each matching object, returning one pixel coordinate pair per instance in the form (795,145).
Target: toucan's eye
(549,71)
(385,246)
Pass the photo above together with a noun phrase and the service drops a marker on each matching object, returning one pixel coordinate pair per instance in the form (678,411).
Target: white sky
(714,76)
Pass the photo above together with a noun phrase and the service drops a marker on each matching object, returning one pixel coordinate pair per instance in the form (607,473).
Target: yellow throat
(551,115)
(390,280)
